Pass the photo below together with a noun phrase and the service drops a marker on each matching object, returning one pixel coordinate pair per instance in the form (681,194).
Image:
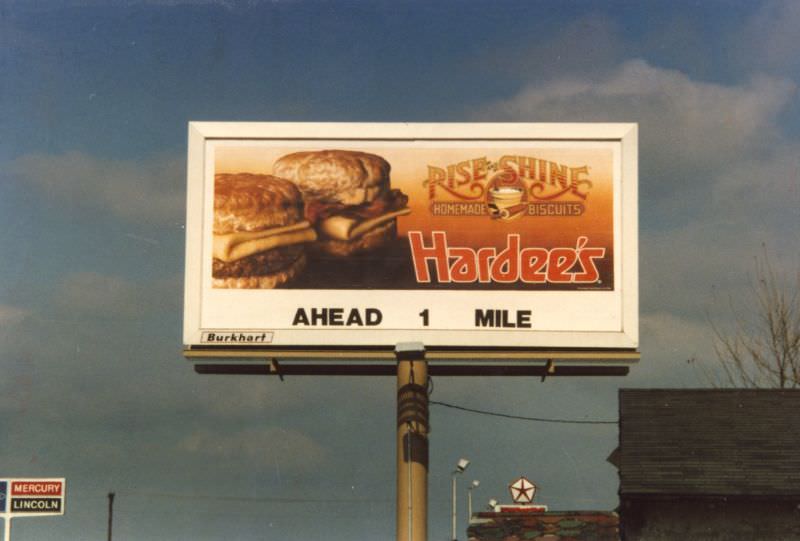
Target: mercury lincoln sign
(493,236)
(31,497)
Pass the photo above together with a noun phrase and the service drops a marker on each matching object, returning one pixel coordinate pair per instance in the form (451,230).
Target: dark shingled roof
(727,442)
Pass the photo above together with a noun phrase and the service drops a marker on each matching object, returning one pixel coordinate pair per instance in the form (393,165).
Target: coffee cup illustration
(505,202)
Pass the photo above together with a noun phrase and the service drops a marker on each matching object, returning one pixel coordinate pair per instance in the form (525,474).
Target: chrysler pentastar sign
(455,235)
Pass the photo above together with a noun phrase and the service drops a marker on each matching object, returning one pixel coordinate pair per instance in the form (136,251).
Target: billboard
(492,236)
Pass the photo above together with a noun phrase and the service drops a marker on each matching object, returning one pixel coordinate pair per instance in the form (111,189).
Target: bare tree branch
(761,347)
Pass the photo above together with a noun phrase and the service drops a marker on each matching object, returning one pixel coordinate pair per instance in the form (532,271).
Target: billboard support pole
(7,528)
(412,442)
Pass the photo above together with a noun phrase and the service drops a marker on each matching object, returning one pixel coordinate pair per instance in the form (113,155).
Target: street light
(475,484)
(462,465)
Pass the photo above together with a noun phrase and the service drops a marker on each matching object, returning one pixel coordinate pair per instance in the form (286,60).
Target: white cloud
(676,351)
(10,315)
(662,328)
(753,203)
(232,396)
(227,4)
(761,189)
(145,191)
(293,450)
(97,295)
(690,271)
(772,38)
(710,147)
(713,149)
(684,123)
(566,52)
(88,295)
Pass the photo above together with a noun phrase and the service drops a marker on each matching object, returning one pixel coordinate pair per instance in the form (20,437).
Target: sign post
(30,498)
(412,443)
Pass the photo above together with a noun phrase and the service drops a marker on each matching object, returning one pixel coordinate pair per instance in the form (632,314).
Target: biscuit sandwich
(260,231)
(348,197)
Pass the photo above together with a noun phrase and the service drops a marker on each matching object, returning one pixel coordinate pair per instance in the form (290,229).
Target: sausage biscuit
(259,231)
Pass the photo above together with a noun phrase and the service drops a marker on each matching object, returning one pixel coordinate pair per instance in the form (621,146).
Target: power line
(521,417)
(265,499)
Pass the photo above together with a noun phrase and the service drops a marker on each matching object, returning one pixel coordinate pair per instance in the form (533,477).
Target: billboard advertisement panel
(454,235)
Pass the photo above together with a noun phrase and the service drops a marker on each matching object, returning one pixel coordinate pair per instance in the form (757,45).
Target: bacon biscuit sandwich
(348,198)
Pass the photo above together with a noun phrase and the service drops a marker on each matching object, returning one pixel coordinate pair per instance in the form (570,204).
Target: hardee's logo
(513,263)
(507,189)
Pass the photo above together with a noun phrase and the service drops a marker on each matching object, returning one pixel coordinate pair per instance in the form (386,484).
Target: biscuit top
(248,202)
(337,176)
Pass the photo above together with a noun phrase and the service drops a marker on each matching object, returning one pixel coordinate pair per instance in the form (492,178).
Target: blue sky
(94,101)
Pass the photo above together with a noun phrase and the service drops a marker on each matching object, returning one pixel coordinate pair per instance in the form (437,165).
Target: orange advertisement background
(409,171)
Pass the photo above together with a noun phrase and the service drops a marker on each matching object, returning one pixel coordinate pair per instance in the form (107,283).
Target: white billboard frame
(623,337)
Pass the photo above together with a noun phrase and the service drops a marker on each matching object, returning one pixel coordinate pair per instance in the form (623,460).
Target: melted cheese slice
(345,228)
(235,246)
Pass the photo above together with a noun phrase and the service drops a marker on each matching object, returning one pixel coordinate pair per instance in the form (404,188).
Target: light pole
(475,484)
(462,465)
(110,513)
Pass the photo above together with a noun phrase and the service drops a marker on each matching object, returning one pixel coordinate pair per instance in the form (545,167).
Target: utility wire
(522,418)
(250,499)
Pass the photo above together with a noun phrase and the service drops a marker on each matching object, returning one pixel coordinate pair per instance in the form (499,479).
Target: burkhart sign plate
(492,236)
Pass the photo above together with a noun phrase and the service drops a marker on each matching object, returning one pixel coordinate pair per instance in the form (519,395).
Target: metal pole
(410,480)
(110,513)
(469,504)
(454,536)
(7,528)
(412,445)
